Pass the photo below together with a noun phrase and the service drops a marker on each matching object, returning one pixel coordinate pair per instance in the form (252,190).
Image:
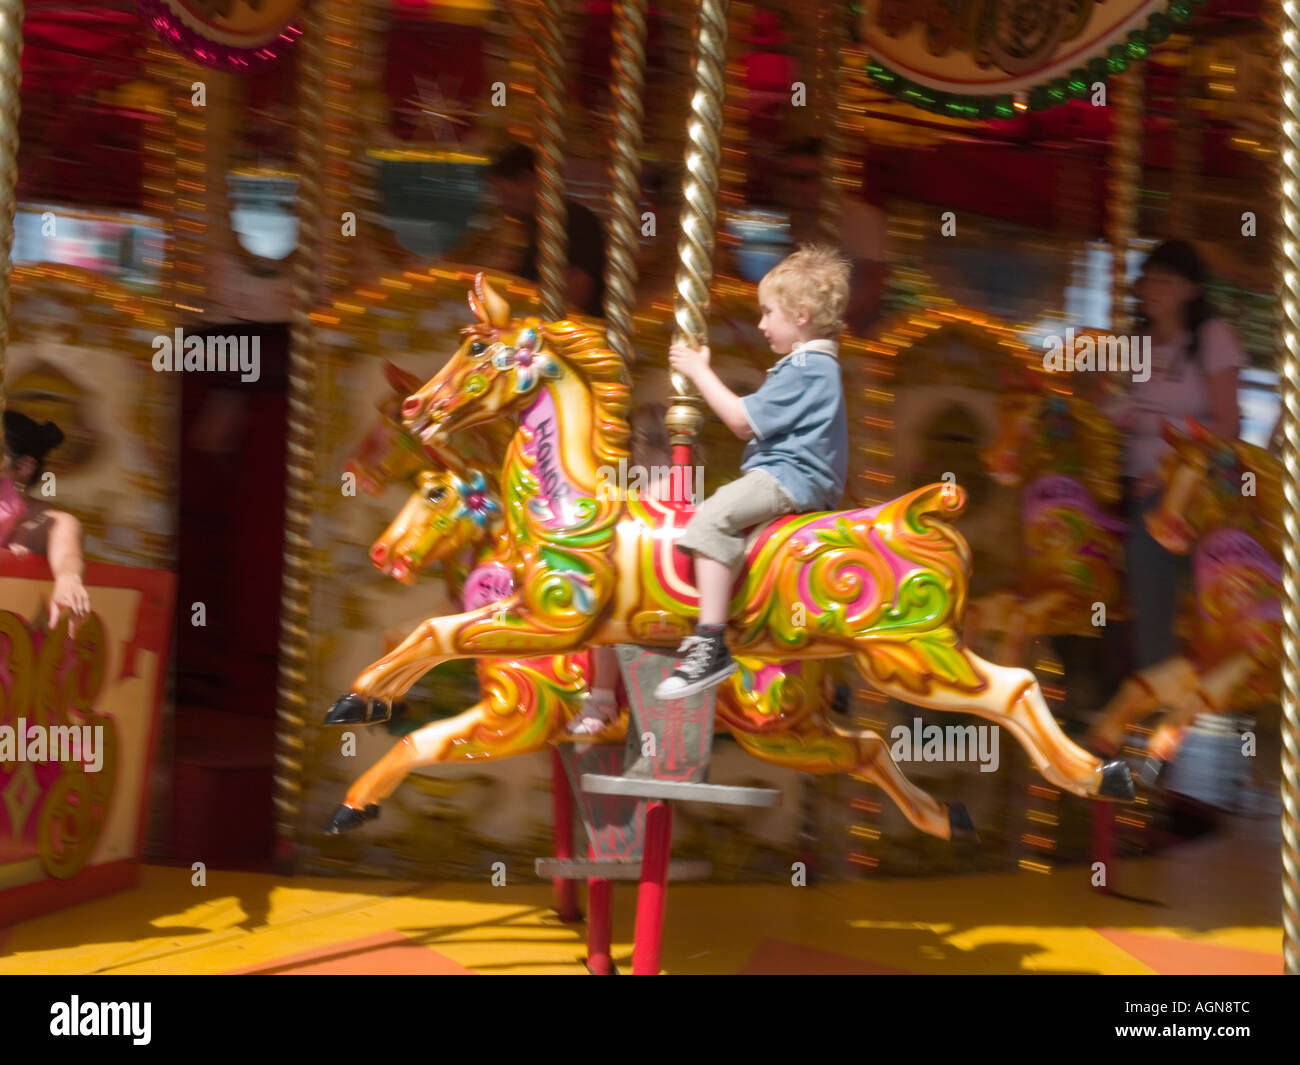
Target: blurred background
(995,180)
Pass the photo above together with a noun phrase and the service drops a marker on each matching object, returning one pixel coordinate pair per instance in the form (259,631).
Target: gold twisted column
(699,209)
(11,50)
(1290,120)
(628,72)
(520,48)
(189,252)
(1125,176)
(832,35)
(295,596)
(343,25)
(552,234)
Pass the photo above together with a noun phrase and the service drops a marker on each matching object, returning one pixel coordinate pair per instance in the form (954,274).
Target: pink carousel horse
(885,585)
(1064,455)
(1222,503)
(775,712)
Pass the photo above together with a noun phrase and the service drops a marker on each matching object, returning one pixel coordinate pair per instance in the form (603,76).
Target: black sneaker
(705,662)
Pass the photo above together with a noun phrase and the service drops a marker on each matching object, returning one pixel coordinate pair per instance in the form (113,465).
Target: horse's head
(500,365)
(388,453)
(447,512)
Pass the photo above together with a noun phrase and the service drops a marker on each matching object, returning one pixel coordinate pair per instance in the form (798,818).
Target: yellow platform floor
(1211,906)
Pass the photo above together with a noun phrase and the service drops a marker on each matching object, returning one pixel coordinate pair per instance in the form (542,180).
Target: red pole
(599,962)
(653,892)
(565,892)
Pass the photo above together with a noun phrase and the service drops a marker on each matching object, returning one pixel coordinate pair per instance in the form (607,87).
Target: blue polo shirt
(801,435)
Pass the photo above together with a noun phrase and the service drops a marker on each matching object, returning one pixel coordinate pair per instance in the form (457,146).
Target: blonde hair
(815,279)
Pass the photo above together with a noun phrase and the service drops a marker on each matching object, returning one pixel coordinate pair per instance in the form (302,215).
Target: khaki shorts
(719,527)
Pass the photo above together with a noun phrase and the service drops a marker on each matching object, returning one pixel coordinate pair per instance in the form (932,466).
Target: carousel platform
(1208,907)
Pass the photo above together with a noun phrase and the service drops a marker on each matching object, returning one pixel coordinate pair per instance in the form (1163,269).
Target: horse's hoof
(349,709)
(1149,774)
(1116,782)
(346,818)
(961,829)
(352,709)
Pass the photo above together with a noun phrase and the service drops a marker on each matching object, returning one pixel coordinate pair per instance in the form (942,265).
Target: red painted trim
(165,584)
(104,574)
(47,895)
(565,891)
(599,908)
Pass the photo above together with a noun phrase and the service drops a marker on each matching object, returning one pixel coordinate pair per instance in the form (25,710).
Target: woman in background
(1195,359)
(29,525)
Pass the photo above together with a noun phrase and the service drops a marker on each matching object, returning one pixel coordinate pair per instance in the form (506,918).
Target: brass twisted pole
(11,50)
(1125,175)
(1290,120)
(343,29)
(628,73)
(295,602)
(699,209)
(552,234)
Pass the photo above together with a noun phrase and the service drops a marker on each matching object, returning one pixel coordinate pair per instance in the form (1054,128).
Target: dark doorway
(231,535)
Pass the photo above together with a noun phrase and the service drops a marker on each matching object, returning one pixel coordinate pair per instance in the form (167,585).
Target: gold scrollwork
(44,687)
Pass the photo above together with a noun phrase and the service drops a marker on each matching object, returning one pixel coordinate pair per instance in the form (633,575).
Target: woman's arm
(1223,359)
(57,535)
(65,546)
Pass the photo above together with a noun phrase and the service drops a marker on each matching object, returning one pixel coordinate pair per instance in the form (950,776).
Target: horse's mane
(584,348)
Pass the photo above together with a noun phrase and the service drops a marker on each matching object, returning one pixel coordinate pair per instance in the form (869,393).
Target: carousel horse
(1065,455)
(885,585)
(1222,503)
(774,712)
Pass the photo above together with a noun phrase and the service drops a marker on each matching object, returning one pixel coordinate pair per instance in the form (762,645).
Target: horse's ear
(492,308)
(476,307)
(1198,432)
(399,380)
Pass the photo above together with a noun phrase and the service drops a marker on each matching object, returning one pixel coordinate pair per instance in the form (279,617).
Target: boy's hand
(687,360)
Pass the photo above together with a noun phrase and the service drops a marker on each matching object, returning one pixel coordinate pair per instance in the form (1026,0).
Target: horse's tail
(946,500)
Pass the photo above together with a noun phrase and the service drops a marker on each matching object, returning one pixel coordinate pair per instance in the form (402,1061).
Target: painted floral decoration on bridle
(475,502)
(525,358)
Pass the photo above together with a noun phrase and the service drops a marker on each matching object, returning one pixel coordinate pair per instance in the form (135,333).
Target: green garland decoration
(1074,86)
